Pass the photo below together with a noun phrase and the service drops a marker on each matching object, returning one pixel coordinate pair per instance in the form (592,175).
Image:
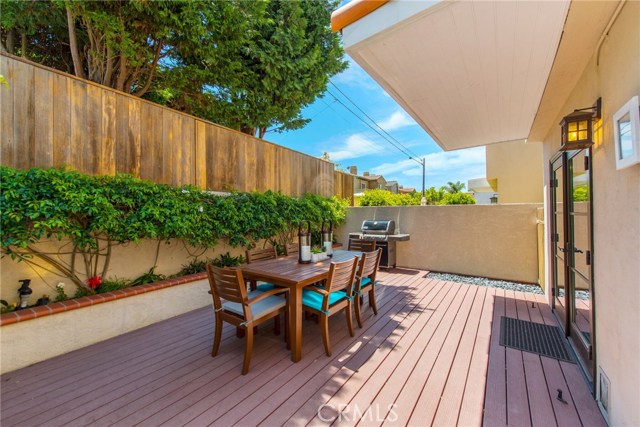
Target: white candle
(305,253)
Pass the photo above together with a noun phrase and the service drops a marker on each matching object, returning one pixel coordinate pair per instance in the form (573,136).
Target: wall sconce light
(577,127)
(494,199)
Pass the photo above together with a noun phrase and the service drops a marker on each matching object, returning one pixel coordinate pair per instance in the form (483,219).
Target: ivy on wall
(95,213)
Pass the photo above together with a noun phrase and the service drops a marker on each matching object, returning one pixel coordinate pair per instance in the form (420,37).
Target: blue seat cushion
(264,287)
(313,299)
(365,282)
(258,309)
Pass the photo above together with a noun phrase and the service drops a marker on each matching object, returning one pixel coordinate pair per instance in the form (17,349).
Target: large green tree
(284,66)
(249,65)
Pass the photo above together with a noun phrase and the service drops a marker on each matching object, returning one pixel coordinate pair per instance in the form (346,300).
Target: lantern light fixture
(304,243)
(327,236)
(24,292)
(577,127)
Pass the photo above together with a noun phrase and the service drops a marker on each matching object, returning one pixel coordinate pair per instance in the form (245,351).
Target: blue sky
(350,142)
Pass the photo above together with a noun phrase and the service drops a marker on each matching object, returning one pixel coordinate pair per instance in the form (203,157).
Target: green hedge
(97,212)
(432,196)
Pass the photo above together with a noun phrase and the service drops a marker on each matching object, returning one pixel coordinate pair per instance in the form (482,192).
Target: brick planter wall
(31,335)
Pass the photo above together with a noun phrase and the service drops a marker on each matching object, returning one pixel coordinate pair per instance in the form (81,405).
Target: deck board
(448,407)
(495,404)
(430,357)
(477,377)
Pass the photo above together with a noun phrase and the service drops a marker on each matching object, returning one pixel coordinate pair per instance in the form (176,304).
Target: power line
(390,139)
(396,143)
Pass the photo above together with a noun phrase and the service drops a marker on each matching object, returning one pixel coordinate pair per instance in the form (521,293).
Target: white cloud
(441,167)
(356,145)
(398,119)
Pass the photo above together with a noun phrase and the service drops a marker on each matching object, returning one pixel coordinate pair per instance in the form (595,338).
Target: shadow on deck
(429,357)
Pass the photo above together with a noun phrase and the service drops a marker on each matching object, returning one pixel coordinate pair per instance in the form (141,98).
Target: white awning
(469,72)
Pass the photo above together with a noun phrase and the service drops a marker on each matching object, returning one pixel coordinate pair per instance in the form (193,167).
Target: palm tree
(454,187)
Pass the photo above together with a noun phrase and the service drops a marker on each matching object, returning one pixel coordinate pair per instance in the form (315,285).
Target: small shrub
(148,277)
(226,260)
(82,292)
(111,285)
(195,266)
(5,307)
(457,199)
(60,294)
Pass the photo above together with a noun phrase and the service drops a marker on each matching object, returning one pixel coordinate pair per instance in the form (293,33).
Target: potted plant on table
(318,253)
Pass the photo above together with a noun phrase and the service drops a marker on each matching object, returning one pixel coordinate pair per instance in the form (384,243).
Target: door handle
(579,251)
(562,249)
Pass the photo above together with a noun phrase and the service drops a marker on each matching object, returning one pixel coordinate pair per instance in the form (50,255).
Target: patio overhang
(475,73)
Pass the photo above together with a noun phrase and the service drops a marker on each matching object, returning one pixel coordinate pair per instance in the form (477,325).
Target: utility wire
(397,145)
(405,150)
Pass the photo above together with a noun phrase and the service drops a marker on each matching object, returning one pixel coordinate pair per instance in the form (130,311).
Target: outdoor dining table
(287,272)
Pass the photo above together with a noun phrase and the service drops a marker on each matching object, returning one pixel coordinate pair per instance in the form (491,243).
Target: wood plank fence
(49,118)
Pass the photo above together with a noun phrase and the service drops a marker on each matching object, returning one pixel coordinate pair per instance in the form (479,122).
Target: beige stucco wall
(498,241)
(616,202)
(127,262)
(31,341)
(518,169)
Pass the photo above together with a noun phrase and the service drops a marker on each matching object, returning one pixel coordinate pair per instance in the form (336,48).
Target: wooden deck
(430,357)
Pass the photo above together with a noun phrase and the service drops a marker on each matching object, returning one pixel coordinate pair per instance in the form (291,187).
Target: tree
(454,187)
(283,67)
(249,65)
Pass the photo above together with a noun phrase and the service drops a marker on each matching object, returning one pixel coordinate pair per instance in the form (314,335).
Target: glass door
(558,238)
(572,251)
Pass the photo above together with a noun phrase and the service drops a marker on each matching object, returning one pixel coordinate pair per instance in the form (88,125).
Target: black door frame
(586,352)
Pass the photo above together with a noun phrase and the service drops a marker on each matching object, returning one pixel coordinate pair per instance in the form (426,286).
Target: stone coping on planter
(76,303)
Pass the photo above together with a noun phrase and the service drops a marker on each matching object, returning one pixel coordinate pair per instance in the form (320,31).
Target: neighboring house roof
(370,177)
(406,190)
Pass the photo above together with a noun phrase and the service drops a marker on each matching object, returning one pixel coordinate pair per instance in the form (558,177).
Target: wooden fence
(49,118)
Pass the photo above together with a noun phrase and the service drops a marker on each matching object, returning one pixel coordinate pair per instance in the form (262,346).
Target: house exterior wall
(518,168)
(359,184)
(497,241)
(614,75)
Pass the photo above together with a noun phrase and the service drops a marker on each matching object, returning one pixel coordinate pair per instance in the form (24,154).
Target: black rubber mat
(535,338)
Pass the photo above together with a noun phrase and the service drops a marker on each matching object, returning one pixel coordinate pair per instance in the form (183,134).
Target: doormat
(535,338)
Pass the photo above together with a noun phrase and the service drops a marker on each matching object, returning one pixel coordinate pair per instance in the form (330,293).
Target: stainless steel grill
(384,233)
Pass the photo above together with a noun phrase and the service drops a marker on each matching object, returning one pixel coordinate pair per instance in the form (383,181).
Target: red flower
(94,282)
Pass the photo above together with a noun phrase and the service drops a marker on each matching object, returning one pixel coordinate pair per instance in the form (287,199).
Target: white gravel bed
(491,283)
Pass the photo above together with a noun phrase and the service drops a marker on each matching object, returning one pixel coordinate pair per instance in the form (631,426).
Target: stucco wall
(518,168)
(498,241)
(127,262)
(616,202)
(63,332)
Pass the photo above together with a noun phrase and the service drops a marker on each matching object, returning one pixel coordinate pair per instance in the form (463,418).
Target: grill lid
(387,226)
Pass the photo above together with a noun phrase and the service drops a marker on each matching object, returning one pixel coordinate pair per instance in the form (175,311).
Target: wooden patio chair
(259,255)
(335,297)
(362,245)
(291,249)
(366,282)
(243,310)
